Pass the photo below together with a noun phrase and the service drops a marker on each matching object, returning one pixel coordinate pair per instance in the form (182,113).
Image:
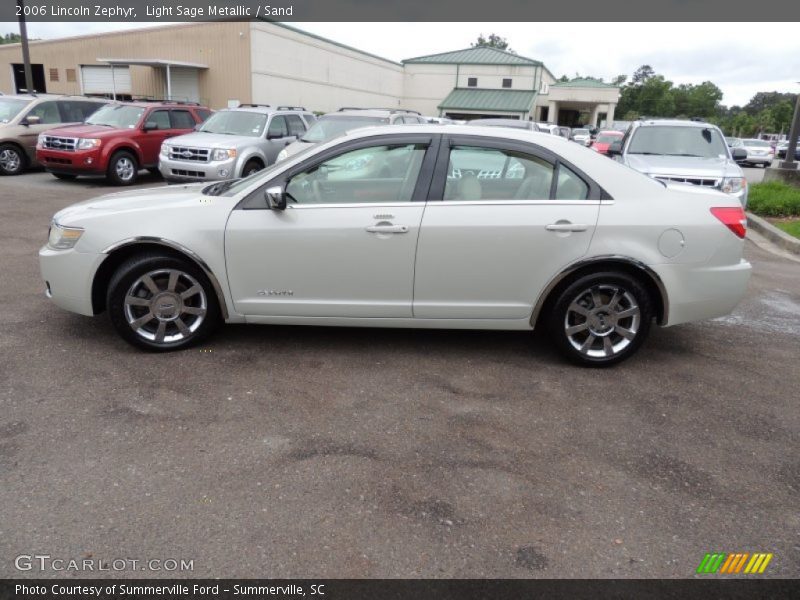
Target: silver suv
(233,142)
(693,152)
(346,119)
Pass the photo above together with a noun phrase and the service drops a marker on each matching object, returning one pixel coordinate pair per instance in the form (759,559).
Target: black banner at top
(401,10)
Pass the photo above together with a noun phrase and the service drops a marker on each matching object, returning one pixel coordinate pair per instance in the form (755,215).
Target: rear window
(700,142)
(757,143)
(182,119)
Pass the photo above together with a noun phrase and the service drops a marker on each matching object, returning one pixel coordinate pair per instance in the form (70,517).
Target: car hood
(201,139)
(683,166)
(296,147)
(85,131)
(132,200)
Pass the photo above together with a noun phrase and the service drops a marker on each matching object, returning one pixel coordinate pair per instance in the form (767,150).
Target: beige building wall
(426,85)
(223,46)
(293,68)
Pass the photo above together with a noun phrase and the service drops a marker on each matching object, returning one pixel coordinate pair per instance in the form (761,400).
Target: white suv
(463,227)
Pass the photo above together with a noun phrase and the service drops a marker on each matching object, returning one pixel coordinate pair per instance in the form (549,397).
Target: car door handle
(566,227)
(387,229)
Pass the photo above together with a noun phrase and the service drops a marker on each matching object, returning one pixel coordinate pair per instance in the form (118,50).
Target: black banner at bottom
(395,589)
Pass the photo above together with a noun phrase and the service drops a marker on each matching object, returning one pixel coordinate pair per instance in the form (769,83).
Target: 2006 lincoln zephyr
(414,226)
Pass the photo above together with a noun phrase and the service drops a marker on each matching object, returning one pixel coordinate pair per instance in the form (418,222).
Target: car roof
(673,123)
(264,109)
(50,97)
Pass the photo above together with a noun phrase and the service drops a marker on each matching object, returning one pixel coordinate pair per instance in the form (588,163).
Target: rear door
(502,219)
(150,141)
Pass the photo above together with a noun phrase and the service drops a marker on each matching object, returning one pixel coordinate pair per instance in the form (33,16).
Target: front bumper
(190,170)
(702,292)
(68,277)
(79,162)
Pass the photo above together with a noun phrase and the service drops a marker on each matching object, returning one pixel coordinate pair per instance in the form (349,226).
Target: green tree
(10,38)
(493,41)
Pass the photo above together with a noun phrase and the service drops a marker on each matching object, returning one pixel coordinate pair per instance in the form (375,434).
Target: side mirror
(271,135)
(149,126)
(31,120)
(615,149)
(275,197)
(738,153)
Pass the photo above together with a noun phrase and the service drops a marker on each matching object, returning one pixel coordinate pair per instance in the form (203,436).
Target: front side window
(47,113)
(476,173)
(701,142)
(117,116)
(236,122)
(158,119)
(367,175)
(277,127)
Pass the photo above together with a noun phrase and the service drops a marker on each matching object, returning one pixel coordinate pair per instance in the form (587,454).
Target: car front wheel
(123,169)
(160,303)
(601,319)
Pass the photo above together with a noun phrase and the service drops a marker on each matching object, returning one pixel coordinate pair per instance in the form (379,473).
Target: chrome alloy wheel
(165,306)
(10,160)
(124,168)
(602,321)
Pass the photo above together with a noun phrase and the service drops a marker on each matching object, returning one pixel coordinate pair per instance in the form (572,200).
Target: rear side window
(570,186)
(202,113)
(477,173)
(296,125)
(277,127)
(182,119)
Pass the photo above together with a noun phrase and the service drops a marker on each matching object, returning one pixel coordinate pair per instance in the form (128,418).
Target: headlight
(88,143)
(40,141)
(63,238)
(165,150)
(283,154)
(223,154)
(733,185)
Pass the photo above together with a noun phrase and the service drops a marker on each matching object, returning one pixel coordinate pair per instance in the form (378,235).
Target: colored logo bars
(720,562)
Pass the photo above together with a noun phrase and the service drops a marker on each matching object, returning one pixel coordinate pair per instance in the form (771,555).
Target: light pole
(794,132)
(26,56)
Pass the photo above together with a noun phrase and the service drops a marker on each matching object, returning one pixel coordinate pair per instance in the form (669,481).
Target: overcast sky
(741,58)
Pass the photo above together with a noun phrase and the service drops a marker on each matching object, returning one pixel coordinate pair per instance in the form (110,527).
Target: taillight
(733,218)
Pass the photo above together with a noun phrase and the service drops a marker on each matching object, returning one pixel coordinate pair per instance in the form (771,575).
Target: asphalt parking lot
(289,451)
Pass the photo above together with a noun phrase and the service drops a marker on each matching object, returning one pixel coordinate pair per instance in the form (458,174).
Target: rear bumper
(68,277)
(702,292)
(79,162)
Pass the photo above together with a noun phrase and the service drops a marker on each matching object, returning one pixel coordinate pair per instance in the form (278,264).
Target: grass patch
(790,227)
(774,199)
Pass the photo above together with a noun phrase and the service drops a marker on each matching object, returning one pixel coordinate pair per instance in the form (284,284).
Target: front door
(345,244)
(501,221)
(155,129)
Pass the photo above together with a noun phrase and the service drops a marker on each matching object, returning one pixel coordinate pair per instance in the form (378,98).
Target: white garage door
(184,84)
(101,80)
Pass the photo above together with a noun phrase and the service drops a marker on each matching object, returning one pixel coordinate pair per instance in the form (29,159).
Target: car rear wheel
(160,303)
(123,169)
(12,160)
(601,319)
(252,166)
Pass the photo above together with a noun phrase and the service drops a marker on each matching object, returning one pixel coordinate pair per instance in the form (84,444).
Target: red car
(117,140)
(604,139)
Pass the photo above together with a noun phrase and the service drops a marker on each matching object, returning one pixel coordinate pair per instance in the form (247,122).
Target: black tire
(251,166)
(586,307)
(12,159)
(65,176)
(123,168)
(199,312)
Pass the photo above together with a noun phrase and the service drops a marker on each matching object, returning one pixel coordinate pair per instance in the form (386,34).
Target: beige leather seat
(468,188)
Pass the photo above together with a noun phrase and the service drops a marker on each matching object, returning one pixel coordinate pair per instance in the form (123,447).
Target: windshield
(701,142)
(329,127)
(236,122)
(10,108)
(117,115)
(608,138)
